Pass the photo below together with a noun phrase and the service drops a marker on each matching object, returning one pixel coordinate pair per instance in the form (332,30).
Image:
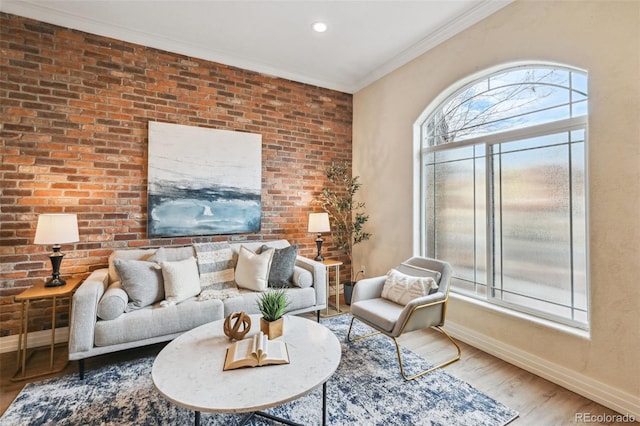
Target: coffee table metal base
(249,416)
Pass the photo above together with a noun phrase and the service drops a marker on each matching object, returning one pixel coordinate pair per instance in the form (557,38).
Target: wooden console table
(40,292)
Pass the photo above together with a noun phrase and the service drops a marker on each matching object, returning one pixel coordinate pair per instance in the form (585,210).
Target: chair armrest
(84,312)
(428,312)
(319,274)
(368,288)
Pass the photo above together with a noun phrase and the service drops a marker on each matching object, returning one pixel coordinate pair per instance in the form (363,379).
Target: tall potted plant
(345,213)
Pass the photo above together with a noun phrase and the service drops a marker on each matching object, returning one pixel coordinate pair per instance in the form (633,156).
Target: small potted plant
(272,304)
(346,215)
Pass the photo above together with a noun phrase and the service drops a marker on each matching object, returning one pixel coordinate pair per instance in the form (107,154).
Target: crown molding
(440,35)
(45,13)
(50,15)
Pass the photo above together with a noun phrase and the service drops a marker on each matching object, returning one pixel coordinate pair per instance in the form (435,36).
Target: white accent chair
(392,319)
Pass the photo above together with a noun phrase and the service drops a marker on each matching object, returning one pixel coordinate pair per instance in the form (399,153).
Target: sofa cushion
(216,266)
(252,271)
(282,265)
(141,280)
(113,302)
(154,321)
(181,279)
(402,289)
(299,298)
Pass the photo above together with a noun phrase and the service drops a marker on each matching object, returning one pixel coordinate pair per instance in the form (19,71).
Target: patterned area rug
(366,389)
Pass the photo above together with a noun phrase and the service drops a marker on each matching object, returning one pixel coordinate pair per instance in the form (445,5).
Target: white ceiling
(365,39)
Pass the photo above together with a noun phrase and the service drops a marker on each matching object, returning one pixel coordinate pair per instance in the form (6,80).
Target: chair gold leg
(422,373)
(349,339)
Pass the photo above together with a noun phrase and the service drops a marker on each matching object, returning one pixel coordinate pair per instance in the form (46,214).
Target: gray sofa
(90,335)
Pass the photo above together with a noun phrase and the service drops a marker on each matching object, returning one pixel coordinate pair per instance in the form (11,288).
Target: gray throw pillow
(113,302)
(141,280)
(282,265)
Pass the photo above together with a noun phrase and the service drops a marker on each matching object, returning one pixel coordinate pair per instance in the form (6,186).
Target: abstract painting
(203,181)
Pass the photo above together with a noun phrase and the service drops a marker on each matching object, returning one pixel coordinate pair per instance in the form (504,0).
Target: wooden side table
(40,292)
(328,264)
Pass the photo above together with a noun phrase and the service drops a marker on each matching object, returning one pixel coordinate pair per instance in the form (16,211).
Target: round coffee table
(188,371)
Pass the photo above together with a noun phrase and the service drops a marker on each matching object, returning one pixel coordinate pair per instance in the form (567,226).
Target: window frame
(421,242)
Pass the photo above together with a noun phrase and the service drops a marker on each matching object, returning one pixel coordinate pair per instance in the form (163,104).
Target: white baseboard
(603,394)
(34,339)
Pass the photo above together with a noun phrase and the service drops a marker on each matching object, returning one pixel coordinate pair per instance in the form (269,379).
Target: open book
(256,351)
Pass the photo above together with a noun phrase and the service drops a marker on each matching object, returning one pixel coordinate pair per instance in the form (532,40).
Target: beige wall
(600,37)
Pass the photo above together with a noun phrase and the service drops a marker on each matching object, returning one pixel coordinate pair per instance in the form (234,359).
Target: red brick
(75,135)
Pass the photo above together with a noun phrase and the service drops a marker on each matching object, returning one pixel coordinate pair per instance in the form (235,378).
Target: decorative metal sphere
(237,325)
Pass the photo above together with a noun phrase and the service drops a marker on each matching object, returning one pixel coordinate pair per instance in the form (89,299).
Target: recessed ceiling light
(319,27)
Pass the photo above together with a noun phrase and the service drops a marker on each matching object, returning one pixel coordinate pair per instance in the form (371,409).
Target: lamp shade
(319,222)
(57,228)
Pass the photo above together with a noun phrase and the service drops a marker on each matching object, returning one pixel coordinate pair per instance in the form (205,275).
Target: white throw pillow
(252,270)
(402,289)
(181,279)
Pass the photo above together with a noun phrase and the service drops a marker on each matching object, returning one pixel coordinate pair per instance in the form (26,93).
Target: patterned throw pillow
(216,266)
(402,289)
(282,265)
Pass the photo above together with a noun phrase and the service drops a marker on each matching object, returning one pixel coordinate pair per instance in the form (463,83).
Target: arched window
(503,189)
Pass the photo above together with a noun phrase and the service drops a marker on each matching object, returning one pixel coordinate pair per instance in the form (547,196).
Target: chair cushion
(381,312)
(181,279)
(252,271)
(407,268)
(141,280)
(402,289)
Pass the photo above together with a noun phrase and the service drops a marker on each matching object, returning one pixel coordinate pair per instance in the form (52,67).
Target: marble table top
(188,371)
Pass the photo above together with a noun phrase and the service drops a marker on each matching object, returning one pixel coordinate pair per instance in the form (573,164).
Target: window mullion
(489,219)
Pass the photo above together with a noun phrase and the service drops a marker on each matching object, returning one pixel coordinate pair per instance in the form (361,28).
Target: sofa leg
(81,368)
(318,315)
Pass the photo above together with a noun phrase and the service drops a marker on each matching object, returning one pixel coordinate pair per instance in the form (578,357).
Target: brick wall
(75,109)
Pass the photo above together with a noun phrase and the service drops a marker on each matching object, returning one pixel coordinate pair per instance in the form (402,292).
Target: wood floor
(538,401)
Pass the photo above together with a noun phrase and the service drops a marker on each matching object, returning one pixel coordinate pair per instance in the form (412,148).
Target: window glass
(504,190)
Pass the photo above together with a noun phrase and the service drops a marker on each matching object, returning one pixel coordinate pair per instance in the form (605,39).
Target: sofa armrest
(368,288)
(319,273)
(84,312)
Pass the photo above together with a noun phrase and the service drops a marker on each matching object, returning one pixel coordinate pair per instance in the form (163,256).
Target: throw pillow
(141,280)
(282,265)
(216,266)
(402,289)
(302,278)
(218,294)
(252,271)
(181,279)
(113,302)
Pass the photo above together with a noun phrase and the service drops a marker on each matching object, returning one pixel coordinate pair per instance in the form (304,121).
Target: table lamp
(56,229)
(319,222)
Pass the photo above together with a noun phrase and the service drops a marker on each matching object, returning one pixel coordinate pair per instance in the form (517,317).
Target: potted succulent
(272,304)
(347,221)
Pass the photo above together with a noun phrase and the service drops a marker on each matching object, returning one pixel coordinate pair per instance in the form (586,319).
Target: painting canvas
(203,181)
